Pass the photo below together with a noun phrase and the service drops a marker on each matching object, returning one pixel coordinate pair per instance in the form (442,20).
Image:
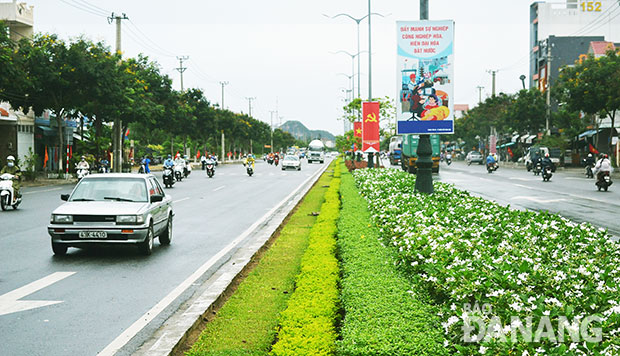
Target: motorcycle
(81,172)
(210,168)
(7,192)
(546,174)
(276,160)
(448,159)
(249,169)
(603,181)
(187,170)
(178,172)
(168,177)
(491,167)
(589,173)
(537,168)
(142,168)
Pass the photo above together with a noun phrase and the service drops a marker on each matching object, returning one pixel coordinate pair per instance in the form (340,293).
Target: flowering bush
(523,266)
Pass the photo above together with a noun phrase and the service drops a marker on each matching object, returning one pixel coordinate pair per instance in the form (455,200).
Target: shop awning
(523,138)
(588,133)
(515,138)
(530,138)
(507,144)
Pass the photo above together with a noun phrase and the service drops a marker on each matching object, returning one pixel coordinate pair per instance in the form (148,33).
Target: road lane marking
(10,303)
(524,179)
(218,188)
(569,194)
(180,200)
(151,314)
(42,191)
(538,200)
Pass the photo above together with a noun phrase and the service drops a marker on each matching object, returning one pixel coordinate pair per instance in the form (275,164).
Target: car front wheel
(59,249)
(146,247)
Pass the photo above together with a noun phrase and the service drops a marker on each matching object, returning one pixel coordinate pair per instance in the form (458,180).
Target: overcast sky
(278,51)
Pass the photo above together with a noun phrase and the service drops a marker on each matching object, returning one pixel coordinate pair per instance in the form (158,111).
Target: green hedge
(382,316)
(307,326)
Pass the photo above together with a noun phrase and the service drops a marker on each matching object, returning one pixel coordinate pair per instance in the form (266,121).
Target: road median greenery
(382,315)
(505,282)
(246,323)
(308,325)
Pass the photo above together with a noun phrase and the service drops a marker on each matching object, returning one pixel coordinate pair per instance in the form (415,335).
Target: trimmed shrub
(307,326)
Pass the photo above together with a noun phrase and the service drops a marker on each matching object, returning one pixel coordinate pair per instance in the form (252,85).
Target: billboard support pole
(424,179)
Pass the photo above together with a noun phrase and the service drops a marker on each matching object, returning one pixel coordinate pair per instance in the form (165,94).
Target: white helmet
(10,158)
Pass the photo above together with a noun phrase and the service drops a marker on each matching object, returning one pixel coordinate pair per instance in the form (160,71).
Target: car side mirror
(156,198)
(64,197)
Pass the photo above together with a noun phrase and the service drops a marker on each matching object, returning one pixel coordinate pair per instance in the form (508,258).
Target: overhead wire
(83,8)
(94,7)
(154,44)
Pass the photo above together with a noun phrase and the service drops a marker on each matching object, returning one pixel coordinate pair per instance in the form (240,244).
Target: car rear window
(106,189)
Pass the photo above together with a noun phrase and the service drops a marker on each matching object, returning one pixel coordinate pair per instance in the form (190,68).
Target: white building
(19,17)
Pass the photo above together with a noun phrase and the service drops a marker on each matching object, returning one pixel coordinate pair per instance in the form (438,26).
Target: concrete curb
(171,337)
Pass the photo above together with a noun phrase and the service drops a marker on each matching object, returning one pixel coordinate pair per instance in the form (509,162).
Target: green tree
(592,86)
(526,112)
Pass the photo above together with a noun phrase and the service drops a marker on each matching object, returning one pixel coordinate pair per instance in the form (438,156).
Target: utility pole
(250,105)
(223,84)
(493,81)
(548,87)
(117,142)
(271,131)
(182,69)
(479,93)
(369,56)
(223,150)
(424,163)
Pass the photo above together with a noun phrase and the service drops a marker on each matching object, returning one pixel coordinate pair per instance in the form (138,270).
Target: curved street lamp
(357,21)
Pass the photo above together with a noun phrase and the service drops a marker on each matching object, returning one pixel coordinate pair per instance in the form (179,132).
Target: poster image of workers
(425,71)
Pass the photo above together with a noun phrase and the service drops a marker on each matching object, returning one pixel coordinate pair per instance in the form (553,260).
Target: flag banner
(425,73)
(370,126)
(357,132)
(46,158)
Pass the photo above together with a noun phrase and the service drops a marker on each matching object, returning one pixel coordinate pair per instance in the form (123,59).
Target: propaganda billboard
(425,72)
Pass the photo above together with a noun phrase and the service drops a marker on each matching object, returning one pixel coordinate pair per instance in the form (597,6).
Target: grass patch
(246,324)
(382,315)
(308,325)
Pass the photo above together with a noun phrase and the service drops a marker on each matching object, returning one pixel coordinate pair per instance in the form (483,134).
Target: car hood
(101,208)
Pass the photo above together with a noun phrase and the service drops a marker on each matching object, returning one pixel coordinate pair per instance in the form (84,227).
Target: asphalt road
(89,297)
(568,193)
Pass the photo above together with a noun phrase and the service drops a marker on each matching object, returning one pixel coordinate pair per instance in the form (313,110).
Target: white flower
(482,350)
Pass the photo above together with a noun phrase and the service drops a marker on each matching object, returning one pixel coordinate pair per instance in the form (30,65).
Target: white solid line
(139,324)
(180,200)
(218,188)
(35,286)
(41,191)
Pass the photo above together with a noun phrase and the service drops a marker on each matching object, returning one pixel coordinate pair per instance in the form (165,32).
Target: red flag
(70,151)
(370,126)
(177,155)
(510,152)
(357,129)
(592,149)
(127,132)
(198,154)
(46,158)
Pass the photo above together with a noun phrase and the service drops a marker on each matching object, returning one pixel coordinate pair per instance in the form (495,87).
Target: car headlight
(62,219)
(129,219)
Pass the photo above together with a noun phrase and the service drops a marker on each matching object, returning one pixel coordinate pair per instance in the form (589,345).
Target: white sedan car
(116,209)
(291,161)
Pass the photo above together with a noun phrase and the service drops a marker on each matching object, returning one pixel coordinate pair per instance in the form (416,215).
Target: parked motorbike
(178,172)
(603,181)
(210,168)
(168,177)
(7,192)
(80,172)
(546,174)
(492,167)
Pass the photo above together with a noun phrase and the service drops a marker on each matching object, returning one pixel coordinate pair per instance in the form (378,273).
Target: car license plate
(93,234)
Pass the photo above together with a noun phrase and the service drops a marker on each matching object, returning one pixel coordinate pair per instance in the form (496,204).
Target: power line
(95,7)
(594,22)
(154,44)
(83,8)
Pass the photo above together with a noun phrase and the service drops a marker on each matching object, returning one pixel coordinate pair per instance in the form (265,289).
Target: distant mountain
(301,132)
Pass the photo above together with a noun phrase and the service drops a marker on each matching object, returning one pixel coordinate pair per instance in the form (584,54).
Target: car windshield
(110,189)
(291,158)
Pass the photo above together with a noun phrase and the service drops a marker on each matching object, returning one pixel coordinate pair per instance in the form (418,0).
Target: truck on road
(409,155)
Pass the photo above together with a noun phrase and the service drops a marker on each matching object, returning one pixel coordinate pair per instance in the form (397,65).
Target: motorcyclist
(146,161)
(203,161)
(105,164)
(82,164)
(589,161)
(546,162)
(491,160)
(602,167)
(169,163)
(249,159)
(12,168)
